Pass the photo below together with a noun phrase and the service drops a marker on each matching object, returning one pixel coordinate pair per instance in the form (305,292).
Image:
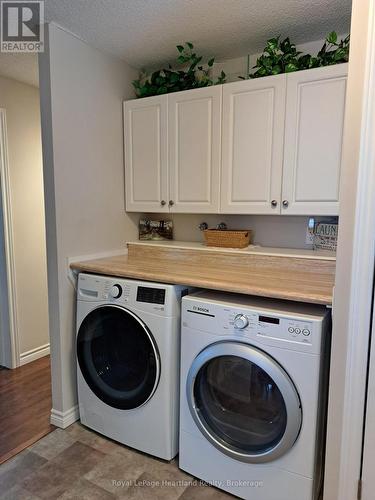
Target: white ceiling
(144,32)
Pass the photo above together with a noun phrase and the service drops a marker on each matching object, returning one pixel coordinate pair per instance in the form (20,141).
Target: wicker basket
(227,238)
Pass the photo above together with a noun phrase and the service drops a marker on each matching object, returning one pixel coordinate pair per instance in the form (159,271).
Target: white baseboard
(39,352)
(66,418)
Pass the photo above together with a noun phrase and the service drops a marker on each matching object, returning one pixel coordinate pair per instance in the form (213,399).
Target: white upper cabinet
(252,145)
(146,154)
(268,145)
(315,110)
(194,131)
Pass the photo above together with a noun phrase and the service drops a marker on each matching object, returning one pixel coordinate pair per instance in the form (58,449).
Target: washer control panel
(114,291)
(142,296)
(240,321)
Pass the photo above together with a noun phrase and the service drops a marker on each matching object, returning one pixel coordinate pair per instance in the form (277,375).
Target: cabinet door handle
(273,203)
(162,203)
(171,203)
(285,203)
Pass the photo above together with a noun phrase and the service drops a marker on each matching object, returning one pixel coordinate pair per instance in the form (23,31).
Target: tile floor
(79,464)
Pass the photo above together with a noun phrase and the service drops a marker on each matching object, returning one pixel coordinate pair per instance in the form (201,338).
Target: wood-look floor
(25,406)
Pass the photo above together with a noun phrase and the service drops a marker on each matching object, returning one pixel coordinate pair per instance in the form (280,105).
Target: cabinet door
(313,140)
(252,150)
(194,150)
(146,154)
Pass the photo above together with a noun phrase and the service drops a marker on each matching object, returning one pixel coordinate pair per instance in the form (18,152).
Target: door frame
(367,473)
(6,201)
(352,308)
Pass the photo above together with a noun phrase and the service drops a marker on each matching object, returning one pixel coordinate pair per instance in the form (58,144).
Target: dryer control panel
(293,326)
(276,327)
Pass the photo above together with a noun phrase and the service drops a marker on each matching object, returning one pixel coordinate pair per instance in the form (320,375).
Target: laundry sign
(325,236)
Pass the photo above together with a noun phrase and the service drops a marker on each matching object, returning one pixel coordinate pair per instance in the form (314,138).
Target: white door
(315,110)
(252,149)
(146,154)
(194,150)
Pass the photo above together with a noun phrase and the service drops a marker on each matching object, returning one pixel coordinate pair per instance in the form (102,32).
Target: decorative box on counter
(227,238)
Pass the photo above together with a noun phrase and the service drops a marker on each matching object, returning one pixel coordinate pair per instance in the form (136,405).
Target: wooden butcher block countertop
(298,275)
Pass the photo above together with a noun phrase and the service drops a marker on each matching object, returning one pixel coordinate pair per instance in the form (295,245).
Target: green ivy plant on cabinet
(268,145)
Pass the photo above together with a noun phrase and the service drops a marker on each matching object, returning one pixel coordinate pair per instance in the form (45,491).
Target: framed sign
(155,229)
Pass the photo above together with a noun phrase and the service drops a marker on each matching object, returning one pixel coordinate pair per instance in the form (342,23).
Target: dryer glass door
(118,357)
(243,402)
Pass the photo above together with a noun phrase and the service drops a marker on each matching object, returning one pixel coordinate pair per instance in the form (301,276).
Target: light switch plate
(309,240)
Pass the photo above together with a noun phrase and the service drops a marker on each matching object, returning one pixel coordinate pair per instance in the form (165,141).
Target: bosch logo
(201,309)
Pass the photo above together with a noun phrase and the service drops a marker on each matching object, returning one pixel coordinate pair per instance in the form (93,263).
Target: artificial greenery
(190,76)
(278,57)
(283,57)
(334,52)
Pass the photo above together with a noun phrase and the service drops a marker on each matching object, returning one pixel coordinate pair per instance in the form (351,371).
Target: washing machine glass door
(118,357)
(244,402)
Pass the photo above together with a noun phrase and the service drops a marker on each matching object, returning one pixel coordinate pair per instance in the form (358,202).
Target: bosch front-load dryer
(253,392)
(128,339)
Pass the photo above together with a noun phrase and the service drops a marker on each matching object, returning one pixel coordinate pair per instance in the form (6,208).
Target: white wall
(21,103)
(81,101)
(268,230)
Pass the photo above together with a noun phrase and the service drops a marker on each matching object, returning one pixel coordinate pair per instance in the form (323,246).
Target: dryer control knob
(240,321)
(115,292)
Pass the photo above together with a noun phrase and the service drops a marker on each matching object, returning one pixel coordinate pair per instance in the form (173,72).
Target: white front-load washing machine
(253,392)
(128,340)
